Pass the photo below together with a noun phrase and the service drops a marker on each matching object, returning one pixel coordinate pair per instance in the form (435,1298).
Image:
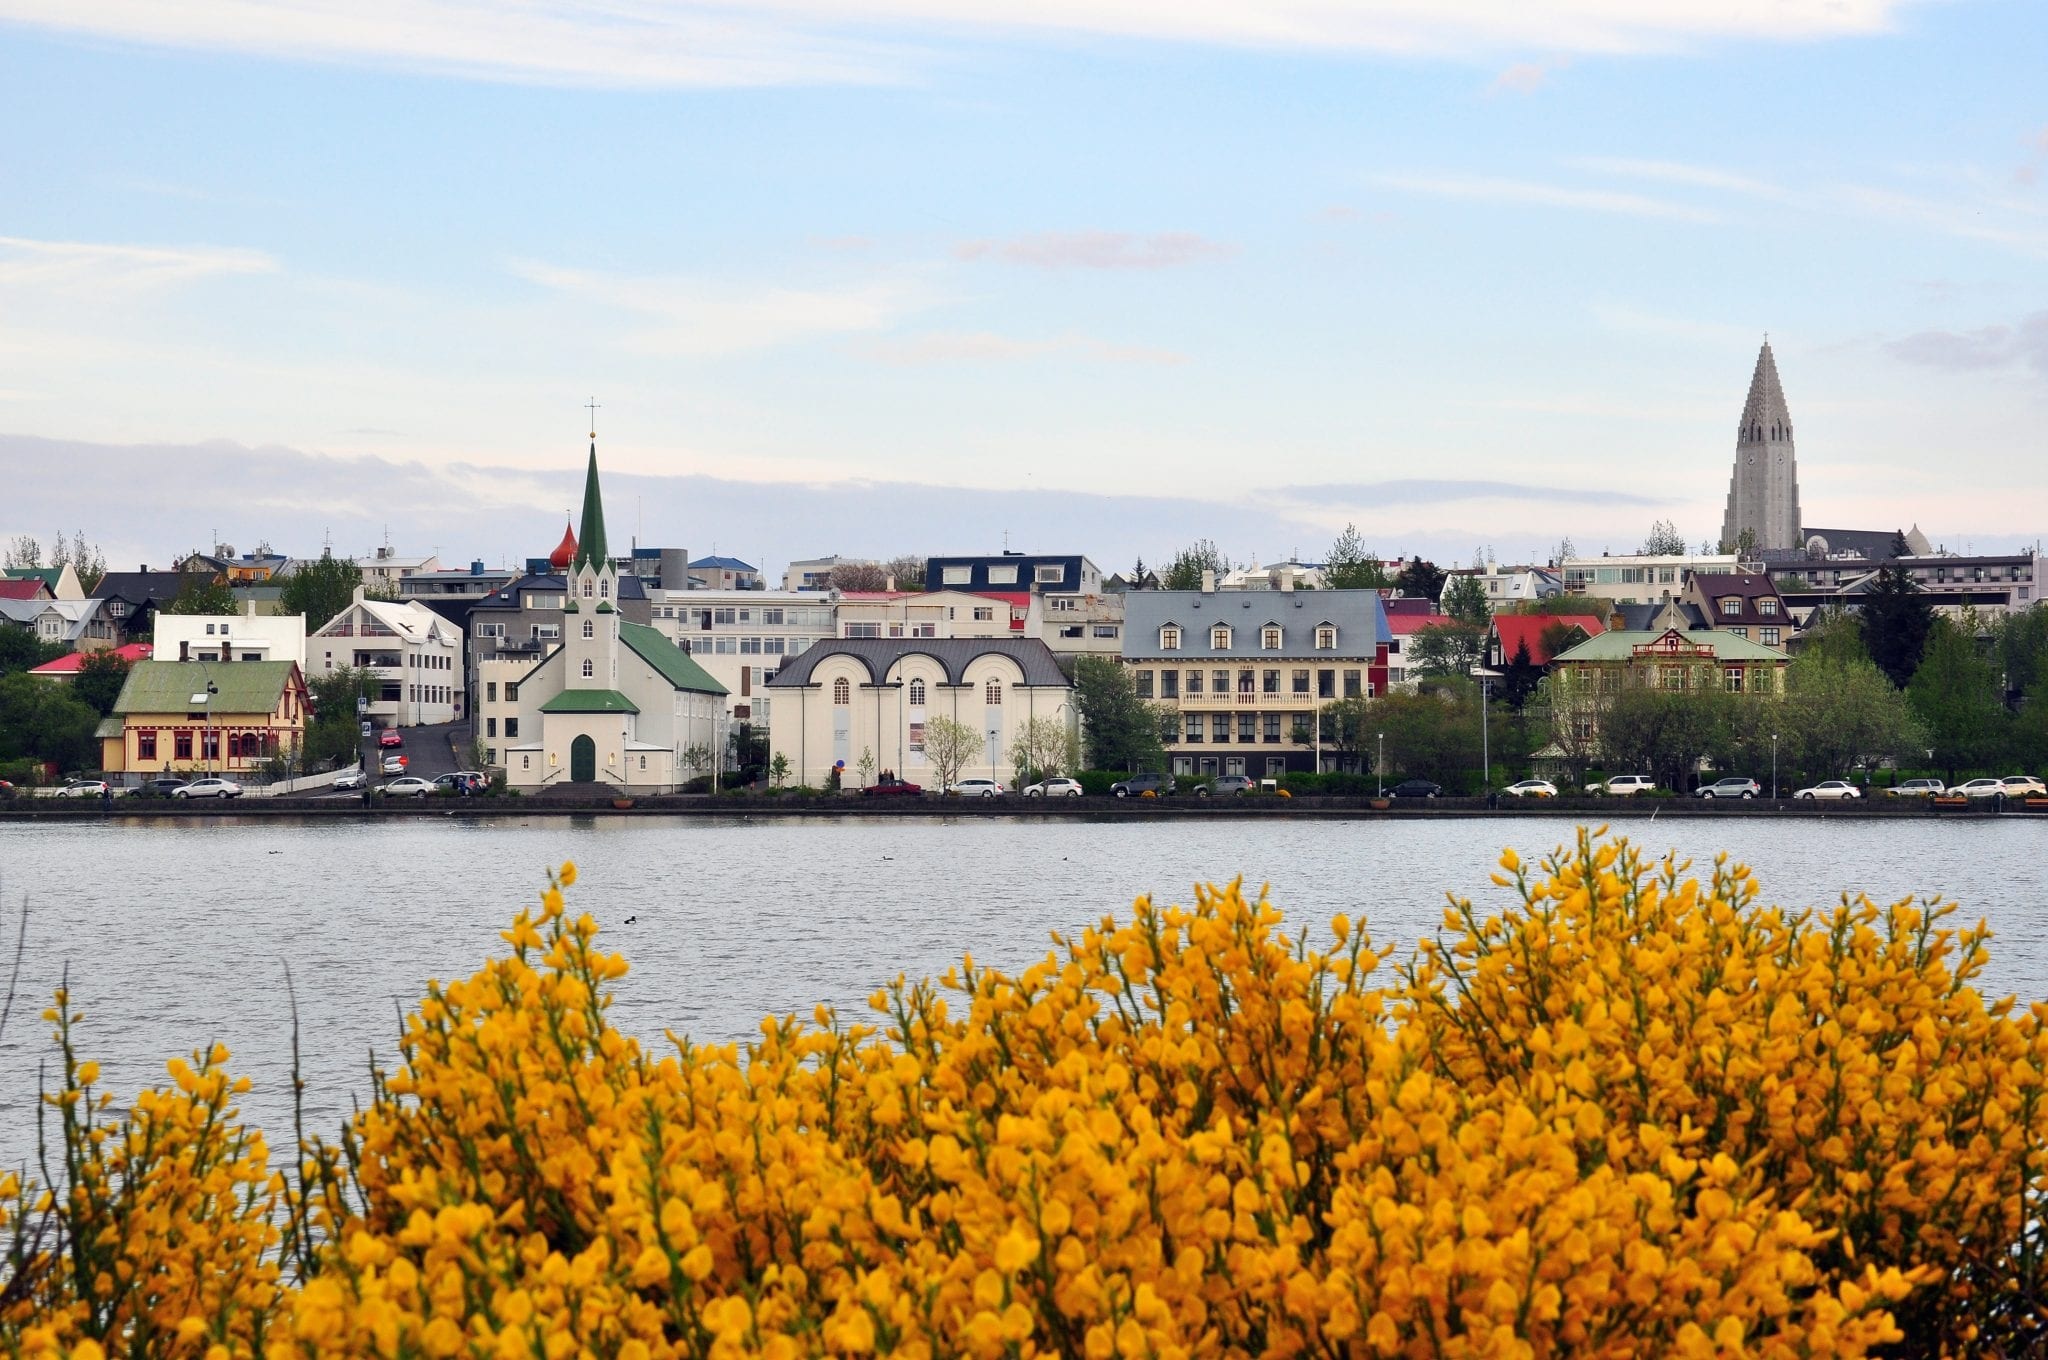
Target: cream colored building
(1641,578)
(413,653)
(741,637)
(247,636)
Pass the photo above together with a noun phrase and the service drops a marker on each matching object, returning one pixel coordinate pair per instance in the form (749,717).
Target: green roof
(240,686)
(1621,644)
(590,545)
(49,576)
(590,701)
(677,666)
(109,727)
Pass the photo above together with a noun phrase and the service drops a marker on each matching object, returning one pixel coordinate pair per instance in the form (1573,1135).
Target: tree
(1896,620)
(1420,580)
(1899,546)
(45,722)
(1835,635)
(1184,572)
(22,650)
(1566,604)
(1465,600)
(857,576)
(24,551)
(1839,715)
(907,571)
(1955,695)
(1120,730)
(1442,649)
(1564,552)
(950,746)
(1431,734)
(201,594)
(320,589)
(1570,710)
(1664,540)
(84,558)
(778,770)
(1353,566)
(2021,647)
(1665,733)
(1044,747)
(865,766)
(99,680)
(1521,675)
(1345,726)
(333,735)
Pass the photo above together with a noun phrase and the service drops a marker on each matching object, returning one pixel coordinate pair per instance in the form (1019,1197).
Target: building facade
(1763,491)
(248,636)
(1640,578)
(413,654)
(1080,615)
(195,717)
(741,637)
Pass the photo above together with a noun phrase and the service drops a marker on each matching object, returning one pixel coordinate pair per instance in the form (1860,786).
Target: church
(616,702)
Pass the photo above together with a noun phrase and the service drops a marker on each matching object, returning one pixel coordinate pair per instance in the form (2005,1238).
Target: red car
(889,786)
(389,739)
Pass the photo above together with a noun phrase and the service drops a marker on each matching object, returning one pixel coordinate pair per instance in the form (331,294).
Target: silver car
(1059,787)
(1830,788)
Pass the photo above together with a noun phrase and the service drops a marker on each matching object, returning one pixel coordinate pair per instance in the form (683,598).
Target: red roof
(28,588)
(71,662)
(1400,625)
(1516,629)
(565,551)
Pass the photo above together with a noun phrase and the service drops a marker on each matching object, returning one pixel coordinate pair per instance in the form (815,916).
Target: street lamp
(205,697)
(1774,767)
(1379,763)
(1486,678)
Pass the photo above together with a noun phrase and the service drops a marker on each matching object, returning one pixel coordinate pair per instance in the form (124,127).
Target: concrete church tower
(1763,495)
(591,622)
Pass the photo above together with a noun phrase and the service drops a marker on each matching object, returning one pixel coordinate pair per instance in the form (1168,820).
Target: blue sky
(1264,259)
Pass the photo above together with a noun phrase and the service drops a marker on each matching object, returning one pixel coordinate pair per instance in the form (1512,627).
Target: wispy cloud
(1525,77)
(1096,250)
(989,347)
(1437,491)
(1677,172)
(693,317)
(90,265)
(643,43)
(1990,347)
(1489,189)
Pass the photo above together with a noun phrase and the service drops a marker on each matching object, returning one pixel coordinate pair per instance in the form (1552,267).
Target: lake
(176,933)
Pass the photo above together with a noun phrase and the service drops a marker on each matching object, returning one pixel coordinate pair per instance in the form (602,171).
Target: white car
(1532,788)
(352,779)
(209,788)
(394,764)
(2023,786)
(977,788)
(412,786)
(82,788)
(1831,788)
(1624,784)
(1060,787)
(1918,788)
(1979,788)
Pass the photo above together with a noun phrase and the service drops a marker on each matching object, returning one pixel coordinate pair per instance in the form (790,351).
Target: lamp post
(1486,678)
(1379,764)
(1774,767)
(205,697)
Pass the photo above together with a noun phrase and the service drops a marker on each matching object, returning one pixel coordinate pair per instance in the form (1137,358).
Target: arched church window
(604,589)
(588,670)
(842,692)
(586,587)
(993,694)
(917,694)
(589,628)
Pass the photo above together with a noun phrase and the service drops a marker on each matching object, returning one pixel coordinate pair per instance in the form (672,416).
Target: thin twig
(14,976)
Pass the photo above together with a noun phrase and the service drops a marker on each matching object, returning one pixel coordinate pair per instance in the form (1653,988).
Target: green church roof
(590,701)
(677,666)
(590,544)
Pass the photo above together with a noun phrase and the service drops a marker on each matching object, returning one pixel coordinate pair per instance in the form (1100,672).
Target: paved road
(429,751)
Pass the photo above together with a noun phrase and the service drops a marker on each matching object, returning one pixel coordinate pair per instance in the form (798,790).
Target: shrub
(1095,783)
(1633,1114)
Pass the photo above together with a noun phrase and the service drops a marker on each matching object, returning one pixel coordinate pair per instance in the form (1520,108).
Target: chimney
(476,566)
(1208,581)
(184,651)
(1287,579)
(248,609)
(889,582)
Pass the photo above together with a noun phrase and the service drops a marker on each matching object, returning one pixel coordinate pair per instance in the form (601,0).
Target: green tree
(1841,715)
(1665,733)
(2022,652)
(1835,635)
(1520,676)
(99,680)
(46,722)
(1465,600)
(1346,728)
(1896,620)
(1431,734)
(1044,747)
(22,650)
(1955,695)
(778,770)
(201,594)
(1420,580)
(2028,736)
(1184,572)
(1120,730)
(334,733)
(1444,649)
(1664,540)
(951,747)
(321,589)
(1566,604)
(1352,565)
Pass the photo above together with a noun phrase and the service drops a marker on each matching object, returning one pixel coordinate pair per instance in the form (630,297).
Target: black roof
(136,587)
(880,656)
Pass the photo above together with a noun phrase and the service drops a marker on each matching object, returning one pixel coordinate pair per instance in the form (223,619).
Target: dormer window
(1326,637)
(1269,637)
(1731,606)
(1768,606)
(1219,637)
(1169,638)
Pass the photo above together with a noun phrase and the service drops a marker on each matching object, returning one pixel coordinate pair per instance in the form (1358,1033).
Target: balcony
(1247,699)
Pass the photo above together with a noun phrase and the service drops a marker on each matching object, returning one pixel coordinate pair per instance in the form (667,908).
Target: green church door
(582,761)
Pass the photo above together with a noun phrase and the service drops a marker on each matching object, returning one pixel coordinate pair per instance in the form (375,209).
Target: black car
(159,788)
(1138,785)
(1416,788)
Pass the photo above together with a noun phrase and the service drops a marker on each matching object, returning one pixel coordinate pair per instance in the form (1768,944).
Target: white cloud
(1491,189)
(1675,172)
(988,347)
(86,265)
(1096,250)
(756,42)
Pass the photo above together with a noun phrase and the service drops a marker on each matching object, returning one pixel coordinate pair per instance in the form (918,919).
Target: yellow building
(187,717)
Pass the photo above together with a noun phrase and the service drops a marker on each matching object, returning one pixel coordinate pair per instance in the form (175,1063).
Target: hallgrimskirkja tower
(1763,495)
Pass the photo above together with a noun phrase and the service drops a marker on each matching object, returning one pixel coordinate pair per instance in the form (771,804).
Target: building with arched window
(849,697)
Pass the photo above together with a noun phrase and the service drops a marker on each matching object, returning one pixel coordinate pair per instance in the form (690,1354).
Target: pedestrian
(106,797)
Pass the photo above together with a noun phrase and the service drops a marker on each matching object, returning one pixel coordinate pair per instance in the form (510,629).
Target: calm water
(176,933)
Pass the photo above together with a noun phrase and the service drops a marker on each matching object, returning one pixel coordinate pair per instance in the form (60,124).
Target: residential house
(614,702)
(1988,584)
(413,653)
(1674,659)
(247,636)
(1288,575)
(385,569)
(844,698)
(62,581)
(1508,586)
(815,573)
(741,637)
(196,717)
(1545,635)
(80,625)
(1081,615)
(724,573)
(247,569)
(1248,671)
(25,588)
(1406,618)
(1745,603)
(1640,578)
(66,667)
(943,613)
(134,597)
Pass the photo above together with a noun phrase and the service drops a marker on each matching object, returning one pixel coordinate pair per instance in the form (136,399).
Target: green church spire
(590,545)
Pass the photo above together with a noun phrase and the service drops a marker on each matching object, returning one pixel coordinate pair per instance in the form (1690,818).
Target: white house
(847,696)
(385,568)
(414,654)
(1641,578)
(740,637)
(247,636)
(940,614)
(615,703)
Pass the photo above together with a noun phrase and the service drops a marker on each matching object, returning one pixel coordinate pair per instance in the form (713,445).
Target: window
(1731,680)
(525,762)
(1108,630)
(1194,682)
(490,727)
(726,615)
(181,746)
(1269,683)
(924,630)
(863,630)
(1247,727)
(1169,727)
(1169,684)
(773,616)
(1769,637)
(1062,602)
(1169,638)
(956,576)
(511,693)
(1194,726)
(1768,606)
(643,762)
(1351,685)
(1272,729)
(1326,638)
(145,746)
(1233,765)
(1246,679)
(1269,637)
(604,589)
(1072,630)
(1219,682)
(546,632)
(589,628)
(1049,576)
(992,694)
(1731,606)
(842,692)
(511,728)
(917,694)
(1144,684)
(1301,682)
(588,669)
(984,613)
(750,646)
(586,588)
(1326,684)
(1002,576)
(1738,632)
(1219,638)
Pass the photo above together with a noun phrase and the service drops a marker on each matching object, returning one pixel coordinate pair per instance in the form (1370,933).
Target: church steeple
(1763,494)
(590,544)
(1765,417)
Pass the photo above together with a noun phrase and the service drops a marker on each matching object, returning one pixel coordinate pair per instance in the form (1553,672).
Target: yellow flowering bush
(1633,1115)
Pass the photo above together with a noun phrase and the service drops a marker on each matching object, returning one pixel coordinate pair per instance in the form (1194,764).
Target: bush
(1632,1114)
(1095,783)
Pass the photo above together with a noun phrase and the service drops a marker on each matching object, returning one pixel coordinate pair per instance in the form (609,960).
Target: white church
(616,703)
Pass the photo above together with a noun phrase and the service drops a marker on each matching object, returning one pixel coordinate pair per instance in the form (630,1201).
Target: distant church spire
(1763,493)
(590,544)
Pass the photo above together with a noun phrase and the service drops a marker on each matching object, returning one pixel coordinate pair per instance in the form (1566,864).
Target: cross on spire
(592,407)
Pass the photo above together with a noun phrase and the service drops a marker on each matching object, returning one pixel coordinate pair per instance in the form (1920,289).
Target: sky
(881,276)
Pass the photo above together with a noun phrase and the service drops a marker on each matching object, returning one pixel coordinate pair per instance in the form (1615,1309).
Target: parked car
(889,786)
(211,787)
(1238,784)
(2024,786)
(1622,785)
(393,765)
(1531,788)
(1735,786)
(84,788)
(977,788)
(457,780)
(1416,788)
(352,779)
(1060,787)
(6,789)
(1918,788)
(165,786)
(1980,788)
(411,786)
(389,738)
(1830,788)
(1138,785)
